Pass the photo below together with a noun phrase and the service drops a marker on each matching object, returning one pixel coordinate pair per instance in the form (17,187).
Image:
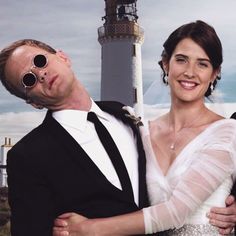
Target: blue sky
(72,26)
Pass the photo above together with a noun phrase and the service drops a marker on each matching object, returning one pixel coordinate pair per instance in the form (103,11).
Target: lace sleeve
(210,167)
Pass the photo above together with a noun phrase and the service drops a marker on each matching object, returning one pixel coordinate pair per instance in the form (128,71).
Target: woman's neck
(186,116)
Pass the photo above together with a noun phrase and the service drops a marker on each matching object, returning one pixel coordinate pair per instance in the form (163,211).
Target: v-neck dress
(200,177)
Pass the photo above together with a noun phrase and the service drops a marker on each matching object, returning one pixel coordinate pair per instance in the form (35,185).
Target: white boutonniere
(136,119)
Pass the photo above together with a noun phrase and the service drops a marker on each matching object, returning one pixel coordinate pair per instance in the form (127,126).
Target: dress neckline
(193,144)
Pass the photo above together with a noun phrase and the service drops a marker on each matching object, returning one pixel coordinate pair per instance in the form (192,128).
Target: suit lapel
(115,108)
(79,156)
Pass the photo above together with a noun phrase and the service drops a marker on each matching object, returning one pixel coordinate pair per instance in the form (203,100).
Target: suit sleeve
(30,199)
(233,191)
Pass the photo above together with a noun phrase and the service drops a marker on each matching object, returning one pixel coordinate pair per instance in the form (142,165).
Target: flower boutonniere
(136,119)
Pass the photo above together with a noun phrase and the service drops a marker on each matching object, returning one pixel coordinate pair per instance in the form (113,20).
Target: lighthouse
(121,38)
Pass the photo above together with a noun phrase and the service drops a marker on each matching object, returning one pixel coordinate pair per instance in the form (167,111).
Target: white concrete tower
(121,38)
(3,161)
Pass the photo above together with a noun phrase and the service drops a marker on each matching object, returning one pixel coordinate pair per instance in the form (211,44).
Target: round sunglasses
(30,79)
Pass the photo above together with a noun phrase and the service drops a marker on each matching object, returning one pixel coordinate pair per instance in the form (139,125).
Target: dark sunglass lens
(29,80)
(40,61)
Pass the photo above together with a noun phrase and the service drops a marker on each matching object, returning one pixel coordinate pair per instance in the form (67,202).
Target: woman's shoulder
(224,123)
(222,131)
(157,124)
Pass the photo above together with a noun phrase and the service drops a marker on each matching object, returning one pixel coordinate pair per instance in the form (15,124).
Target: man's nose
(42,75)
(40,72)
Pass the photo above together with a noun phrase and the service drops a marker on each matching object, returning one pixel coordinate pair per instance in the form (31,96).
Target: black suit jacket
(49,174)
(233,191)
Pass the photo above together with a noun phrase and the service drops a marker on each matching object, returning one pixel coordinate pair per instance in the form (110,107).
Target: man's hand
(224,217)
(68,224)
(72,224)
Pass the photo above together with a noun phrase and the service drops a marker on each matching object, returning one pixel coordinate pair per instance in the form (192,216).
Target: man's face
(53,80)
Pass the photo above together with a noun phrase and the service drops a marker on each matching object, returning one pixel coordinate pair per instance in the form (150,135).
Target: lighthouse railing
(120,29)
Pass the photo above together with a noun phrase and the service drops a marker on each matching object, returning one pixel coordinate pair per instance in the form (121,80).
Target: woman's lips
(188,84)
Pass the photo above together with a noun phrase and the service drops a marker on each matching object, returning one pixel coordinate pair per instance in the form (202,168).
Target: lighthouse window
(134,50)
(135,95)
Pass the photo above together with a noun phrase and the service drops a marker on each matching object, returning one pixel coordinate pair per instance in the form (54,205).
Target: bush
(4,213)
(5,230)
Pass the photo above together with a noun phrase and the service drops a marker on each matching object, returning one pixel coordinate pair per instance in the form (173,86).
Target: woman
(191,150)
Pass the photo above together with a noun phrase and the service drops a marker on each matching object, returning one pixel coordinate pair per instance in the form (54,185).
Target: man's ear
(40,107)
(37,106)
(63,57)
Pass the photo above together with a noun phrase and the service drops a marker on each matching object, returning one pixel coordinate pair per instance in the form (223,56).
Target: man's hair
(7,52)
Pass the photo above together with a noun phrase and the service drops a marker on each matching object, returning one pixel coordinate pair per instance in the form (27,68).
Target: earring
(212,87)
(166,80)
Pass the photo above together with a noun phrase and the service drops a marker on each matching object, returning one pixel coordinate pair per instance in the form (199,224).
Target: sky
(72,26)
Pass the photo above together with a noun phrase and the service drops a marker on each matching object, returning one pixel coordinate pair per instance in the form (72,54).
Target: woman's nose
(190,71)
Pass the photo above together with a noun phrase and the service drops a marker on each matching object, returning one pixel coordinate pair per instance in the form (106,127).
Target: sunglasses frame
(32,73)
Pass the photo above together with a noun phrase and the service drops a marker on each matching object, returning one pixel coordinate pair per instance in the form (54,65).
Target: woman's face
(190,71)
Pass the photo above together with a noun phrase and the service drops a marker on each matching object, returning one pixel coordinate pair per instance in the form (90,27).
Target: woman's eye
(181,60)
(203,64)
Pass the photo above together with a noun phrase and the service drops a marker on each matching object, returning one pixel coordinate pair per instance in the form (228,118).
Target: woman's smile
(189,85)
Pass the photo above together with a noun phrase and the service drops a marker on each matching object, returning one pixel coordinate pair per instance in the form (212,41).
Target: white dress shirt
(83,131)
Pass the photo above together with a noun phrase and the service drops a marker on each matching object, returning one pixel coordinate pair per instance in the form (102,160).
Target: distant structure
(3,161)
(121,38)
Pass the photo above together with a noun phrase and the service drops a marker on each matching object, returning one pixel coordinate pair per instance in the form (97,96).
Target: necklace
(187,126)
(172,146)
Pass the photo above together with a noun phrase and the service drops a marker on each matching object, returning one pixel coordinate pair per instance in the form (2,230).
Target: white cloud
(16,125)
(72,26)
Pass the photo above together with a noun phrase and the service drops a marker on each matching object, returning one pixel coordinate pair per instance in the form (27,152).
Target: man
(61,166)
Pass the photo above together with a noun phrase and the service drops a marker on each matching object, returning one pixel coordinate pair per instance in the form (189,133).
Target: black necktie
(113,152)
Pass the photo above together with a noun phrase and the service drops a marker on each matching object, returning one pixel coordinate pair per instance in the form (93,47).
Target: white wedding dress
(200,177)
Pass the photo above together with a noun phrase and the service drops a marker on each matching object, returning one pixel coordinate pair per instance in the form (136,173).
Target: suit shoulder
(34,136)
(114,104)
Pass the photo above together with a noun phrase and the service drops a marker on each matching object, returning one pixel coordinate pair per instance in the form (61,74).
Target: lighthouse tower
(121,38)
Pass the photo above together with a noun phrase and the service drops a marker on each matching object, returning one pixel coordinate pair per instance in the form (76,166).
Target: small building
(3,161)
